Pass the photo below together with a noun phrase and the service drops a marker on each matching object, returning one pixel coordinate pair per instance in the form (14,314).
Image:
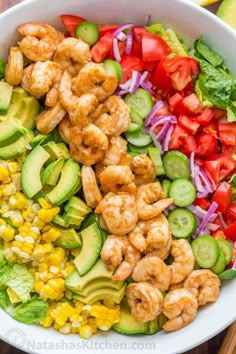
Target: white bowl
(190,21)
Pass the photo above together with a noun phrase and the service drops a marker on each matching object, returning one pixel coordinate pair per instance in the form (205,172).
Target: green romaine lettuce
(21,281)
(4,299)
(32,311)
(204,52)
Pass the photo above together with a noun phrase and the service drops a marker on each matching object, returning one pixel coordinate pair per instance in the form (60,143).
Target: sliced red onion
(152,113)
(163,118)
(167,139)
(121,36)
(191,163)
(197,180)
(206,180)
(121,28)
(234,266)
(144,75)
(155,141)
(207,218)
(125,85)
(211,180)
(222,222)
(212,227)
(201,213)
(123,92)
(116,50)
(135,81)
(147,88)
(129,43)
(162,133)
(147,20)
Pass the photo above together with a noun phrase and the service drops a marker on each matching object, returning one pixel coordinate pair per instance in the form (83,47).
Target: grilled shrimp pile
(80,100)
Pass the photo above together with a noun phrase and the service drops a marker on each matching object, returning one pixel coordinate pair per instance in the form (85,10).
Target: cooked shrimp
(52,97)
(204,285)
(117,251)
(117,179)
(143,169)
(144,300)
(48,119)
(112,116)
(93,78)
(72,54)
(119,212)
(149,201)
(180,307)
(15,66)
(117,148)
(183,263)
(88,146)
(163,252)
(64,129)
(91,191)
(38,78)
(176,286)
(39,42)
(78,108)
(154,271)
(151,235)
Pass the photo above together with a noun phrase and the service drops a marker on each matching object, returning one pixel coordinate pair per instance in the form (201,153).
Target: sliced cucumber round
(176,165)
(141,102)
(227,274)
(113,68)
(183,192)
(166,184)
(135,117)
(227,250)
(182,222)
(206,251)
(88,32)
(139,139)
(220,264)
(134,128)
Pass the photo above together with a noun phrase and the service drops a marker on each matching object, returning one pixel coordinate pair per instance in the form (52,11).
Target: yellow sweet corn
(51,235)
(31,212)
(53,289)
(41,250)
(44,203)
(8,189)
(15,217)
(18,201)
(13,166)
(39,223)
(4,173)
(69,268)
(7,233)
(57,256)
(62,313)
(85,331)
(48,214)
(105,317)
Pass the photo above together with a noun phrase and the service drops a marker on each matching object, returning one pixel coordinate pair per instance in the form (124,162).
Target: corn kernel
(85,331)
(4,173)
(47,322)
(65,329)
(44,203)
(39,223)
(51,235)
(48,214)
(13,167)
(38,284)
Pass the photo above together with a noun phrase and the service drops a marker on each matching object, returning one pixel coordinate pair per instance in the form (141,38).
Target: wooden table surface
(210,347)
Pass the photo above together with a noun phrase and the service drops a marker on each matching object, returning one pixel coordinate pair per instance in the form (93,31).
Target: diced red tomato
(202,203)
(218,234)
(181,70)
(177,104)
(160,79)
(206,145)
(230,232)
(178,132)
(193,104)
(103,48)
(227,133)
(223,196)
(121,46)
(103,29)
(206,116)
(219,113)
(187,144)
(232,210)
(137,32)
(150,65)
(219,166)
(70,23)
(229,149)
(128,64)
(189,124)
(154,47)
(211,128)
(136,49)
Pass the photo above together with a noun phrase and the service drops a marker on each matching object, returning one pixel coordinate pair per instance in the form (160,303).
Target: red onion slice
(222,222)
(121,28)
(167,138)
(207,218)
(147,88)
(191,163)
(135,81)
(129,43)
(152,113)
(121,36)
(116,50)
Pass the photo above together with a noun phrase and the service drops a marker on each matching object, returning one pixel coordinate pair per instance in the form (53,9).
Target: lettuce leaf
(5,274)
(21,281)
(204,52)
(32,311)
(4,299)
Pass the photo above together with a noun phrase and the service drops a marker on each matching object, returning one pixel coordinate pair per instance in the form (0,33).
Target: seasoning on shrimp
(48,119)
(117,179)
(14,67)
(91,191)
(143,169)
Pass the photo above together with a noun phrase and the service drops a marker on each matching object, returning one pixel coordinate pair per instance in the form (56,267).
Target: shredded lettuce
(4,299)
(156,28)
(204,52)
(32,311)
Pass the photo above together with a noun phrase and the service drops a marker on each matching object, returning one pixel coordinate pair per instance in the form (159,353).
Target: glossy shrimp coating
(153,270)
(149,200)
(150,235)
(14,67)
(78,108)
(48,119)
(180,307)
(183,263)
(117,179)
(119,212)
(39,41)
(88,146)
(112,116)
(93,78)
(116,150)
(143,169)
(118,252)
(204,285)
(144,300)
(71,54)
(64,128)
(162,252)
(91,191)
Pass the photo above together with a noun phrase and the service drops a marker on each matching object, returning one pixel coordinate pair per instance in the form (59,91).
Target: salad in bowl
(117,176)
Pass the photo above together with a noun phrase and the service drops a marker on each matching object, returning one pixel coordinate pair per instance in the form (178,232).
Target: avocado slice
(128,323)
(72,220)
(5,96)
(64,149)
(41,139)
(59,220)
(18,94)
(78,283)
(31,108)
(68,183)
(31,171)
(54,151)
(14,111)
(77,206)
(52,172)
(91,219)
(10,131)
(16,149)
(91,247)
(102,294)
(226,12)
(68,239)
(100,284)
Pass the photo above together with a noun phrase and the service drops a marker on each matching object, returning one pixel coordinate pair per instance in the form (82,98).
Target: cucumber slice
(134,128)
(182,223)
(141,102)
(227,250)
(88,32)
(183,192)
(206,251)
(220,264)
(166,184)
(113,68)
(155,156)
(135,117)
(139,139)
(176,165)
(139,150)
(227,274)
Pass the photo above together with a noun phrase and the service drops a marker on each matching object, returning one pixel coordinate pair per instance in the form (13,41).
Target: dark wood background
(210,347)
